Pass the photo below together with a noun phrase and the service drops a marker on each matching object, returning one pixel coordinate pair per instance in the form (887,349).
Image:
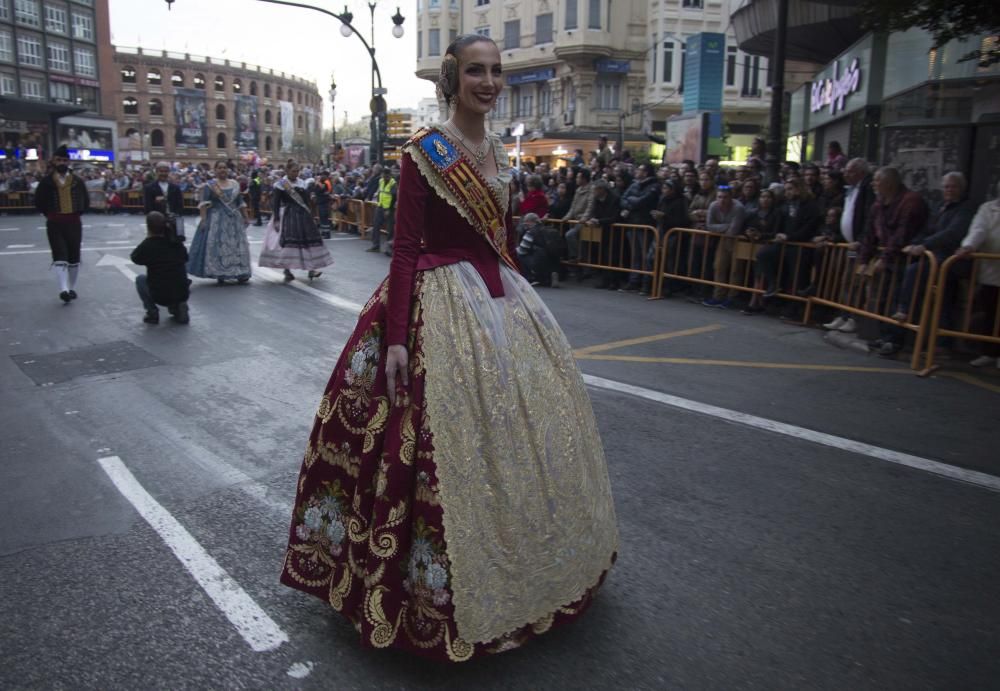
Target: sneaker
(848,327)
(711,302)
(985,361)
(835,324)
(152,317)
(725,304)
(888,349)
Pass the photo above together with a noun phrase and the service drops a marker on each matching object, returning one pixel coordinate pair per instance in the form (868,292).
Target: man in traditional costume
(62,196)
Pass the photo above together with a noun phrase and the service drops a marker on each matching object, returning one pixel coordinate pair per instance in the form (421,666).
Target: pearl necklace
(479,153)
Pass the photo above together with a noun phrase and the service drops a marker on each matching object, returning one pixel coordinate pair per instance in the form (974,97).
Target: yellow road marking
(741,363)
(602,347)
(969,379)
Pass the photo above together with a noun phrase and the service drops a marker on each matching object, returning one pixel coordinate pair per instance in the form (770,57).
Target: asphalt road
(757,553)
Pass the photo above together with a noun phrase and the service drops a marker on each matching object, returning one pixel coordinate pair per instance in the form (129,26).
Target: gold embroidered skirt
(477,512)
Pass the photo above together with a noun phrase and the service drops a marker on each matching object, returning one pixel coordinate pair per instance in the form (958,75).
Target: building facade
(577,69)
(745,95)
(574,69)
(51,79)
(176,106)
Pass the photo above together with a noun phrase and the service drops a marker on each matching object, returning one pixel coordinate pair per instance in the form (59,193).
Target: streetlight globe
(345,31)
(397,31)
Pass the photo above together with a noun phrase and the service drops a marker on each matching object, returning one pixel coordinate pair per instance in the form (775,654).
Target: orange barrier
(986,330)
(879,295)
(17,202)
(691,256)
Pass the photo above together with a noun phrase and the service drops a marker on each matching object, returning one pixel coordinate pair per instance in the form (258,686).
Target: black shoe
(65,296)
(314,274)
(180,314)
(72,295)
(373,249)
(152,317)
(288,275)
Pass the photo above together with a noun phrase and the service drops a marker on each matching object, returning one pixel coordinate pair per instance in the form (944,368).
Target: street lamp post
(333,108)
(346,29)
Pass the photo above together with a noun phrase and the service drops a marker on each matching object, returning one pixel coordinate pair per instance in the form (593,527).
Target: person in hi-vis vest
(385,212)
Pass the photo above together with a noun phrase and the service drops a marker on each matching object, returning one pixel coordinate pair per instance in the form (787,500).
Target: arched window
(279,93)
(130,106)
(156,137)
(298,97)
(128,75)
(300,122)
(267,116)
(253,88)
(267,91)
(220,84)
(154,77)
(268,144)
(199,81)
(156,107)
(177,79)
(291,96)
(220,112)
(278,117)
(220,140)
(237,86)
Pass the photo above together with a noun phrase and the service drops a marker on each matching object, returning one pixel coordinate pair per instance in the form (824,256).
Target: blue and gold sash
(461,185)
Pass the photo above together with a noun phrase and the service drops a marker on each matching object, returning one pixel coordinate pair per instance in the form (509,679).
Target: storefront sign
(528,77)
(832,92)
(609,66)
(91,155)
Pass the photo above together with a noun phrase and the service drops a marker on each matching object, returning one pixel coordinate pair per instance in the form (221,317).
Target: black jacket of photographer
(165,260)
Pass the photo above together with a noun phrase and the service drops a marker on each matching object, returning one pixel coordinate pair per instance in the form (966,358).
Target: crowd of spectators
(793,221)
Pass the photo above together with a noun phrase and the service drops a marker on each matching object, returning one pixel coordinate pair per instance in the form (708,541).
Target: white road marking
(328,298)
(120,242)
(300,670)
(11,230)
(990,482)
(82,249)
(119,263)
(258,629)
(19,247)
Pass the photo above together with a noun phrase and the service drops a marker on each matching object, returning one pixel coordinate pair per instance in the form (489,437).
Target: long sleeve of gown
(413,195)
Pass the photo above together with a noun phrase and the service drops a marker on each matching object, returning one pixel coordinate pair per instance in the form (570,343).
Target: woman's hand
(396,365)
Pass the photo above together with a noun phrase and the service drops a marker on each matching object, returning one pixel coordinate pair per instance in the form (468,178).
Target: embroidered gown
(220,249)
(476,513)
(292,240)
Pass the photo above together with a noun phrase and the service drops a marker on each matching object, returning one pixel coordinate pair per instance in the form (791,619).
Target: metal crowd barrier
(689,255)
(17,202)
(879,295)
(976,322)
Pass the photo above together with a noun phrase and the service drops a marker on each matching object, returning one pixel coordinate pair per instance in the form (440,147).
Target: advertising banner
(191,117)
(686,138)
(246,122)
(86,143)
(287,125)
(704,58)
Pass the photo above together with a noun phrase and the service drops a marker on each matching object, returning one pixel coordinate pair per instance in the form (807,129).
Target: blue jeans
(142,287)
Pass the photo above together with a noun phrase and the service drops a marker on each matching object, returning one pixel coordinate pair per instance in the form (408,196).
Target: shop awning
(23,109)
(817,31)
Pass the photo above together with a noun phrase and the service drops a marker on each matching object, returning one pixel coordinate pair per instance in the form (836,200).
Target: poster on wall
(686,138)
(287,125)
(191,117)
(246,122)
(81,137)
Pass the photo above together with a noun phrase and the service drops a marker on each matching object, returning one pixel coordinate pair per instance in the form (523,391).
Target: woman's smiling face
(480,76)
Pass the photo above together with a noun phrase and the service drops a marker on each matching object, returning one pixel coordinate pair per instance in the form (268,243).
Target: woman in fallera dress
(220,249)
(454,498)
(292,239)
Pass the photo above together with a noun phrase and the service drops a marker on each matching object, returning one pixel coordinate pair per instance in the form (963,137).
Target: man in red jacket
(897,216)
